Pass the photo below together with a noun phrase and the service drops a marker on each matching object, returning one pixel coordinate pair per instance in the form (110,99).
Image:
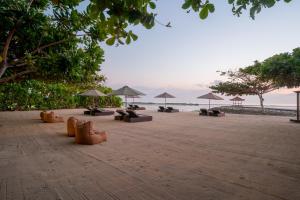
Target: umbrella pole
(165,102)
(297,106)
(125,101)
(208,103)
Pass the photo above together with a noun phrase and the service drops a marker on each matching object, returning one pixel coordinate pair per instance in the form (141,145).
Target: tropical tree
(40,45)
(54,39)
(245,81)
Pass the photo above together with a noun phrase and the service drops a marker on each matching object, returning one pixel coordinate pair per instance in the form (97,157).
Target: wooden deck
(177,156)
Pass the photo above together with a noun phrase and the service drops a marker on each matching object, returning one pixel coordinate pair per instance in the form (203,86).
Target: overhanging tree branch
(6,79)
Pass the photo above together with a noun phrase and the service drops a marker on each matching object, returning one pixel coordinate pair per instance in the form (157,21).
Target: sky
(184,59)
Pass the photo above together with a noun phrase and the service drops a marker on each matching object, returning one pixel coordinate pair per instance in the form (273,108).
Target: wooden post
(297,120)
(298,106)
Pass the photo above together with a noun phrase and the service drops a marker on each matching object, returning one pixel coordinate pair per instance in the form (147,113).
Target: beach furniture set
(167,109)
(131,116)
(128,115)
(82,130)
(211,112)
(135,107)
(97,112)
(50,117)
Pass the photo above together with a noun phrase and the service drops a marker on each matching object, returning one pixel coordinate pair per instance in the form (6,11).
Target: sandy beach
(176,156)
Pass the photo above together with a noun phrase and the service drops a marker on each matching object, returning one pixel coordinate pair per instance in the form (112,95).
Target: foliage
(204,7)
(40,40)
(245,81)
(32,94)
(54,39)
(283,69)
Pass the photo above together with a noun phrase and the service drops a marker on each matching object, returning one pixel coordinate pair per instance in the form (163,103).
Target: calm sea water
(184,107)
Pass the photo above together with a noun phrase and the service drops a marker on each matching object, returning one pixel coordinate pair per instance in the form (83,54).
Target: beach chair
(216,113)
(101,112)
(130,106)
(88,111)
(161,109)
(134,117)
(52,118)
(121,115)
(85,134)
(171,110)
(203,112)
(136,107)
(71,126)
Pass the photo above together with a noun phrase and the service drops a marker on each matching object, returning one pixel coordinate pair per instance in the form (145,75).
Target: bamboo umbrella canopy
(127,92)
(165,95)
(210,96)
(93,93)
(237,100)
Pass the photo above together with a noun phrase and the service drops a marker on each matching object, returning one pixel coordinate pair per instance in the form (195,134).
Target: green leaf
(230,1)
(186,5)
(252,12)
(269,3)
(110,41)
(94,11)
(128,39)
(210,7)
(133,36)
(1,59)
(203,13)
(152,5)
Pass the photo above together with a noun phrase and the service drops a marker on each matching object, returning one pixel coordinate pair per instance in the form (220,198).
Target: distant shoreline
(257,111)
(216,104)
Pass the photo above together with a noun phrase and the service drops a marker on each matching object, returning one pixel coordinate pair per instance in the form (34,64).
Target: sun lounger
(101,112)
(203,112)
(134,117)
(171,110)
(121,115)
(88,111)
(136,107)
(130,106)
(85,134)
(161,109)
(216,113)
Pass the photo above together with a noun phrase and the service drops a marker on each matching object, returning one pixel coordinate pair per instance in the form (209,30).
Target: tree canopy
(55,40)
(283,69)
(280,70)
(245,81)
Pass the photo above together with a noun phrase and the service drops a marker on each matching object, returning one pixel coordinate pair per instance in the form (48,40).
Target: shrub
(33,94)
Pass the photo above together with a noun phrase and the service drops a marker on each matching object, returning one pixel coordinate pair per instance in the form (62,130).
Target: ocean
(196,107)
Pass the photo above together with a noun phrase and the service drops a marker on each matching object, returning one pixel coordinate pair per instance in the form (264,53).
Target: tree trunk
(3,68)
(261,99)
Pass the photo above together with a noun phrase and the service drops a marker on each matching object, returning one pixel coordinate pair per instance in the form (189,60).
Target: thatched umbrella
(127,92)
(237,100)
(210,96)
(93,93)
(165,95)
